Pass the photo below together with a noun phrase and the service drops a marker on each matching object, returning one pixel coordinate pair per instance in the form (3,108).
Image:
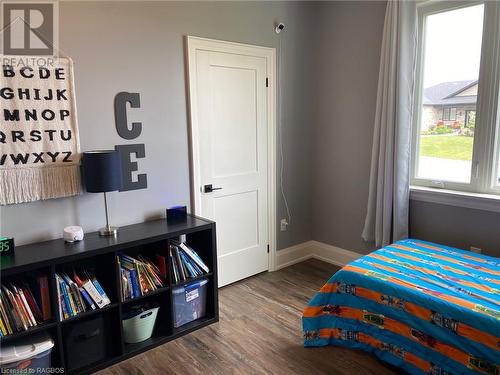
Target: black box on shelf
(85,343)
(176,214)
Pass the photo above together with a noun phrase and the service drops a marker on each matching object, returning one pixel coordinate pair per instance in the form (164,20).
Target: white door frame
(196,43)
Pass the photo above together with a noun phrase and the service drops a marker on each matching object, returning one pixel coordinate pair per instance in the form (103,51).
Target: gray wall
(456,226)
(348,62)
(138,47)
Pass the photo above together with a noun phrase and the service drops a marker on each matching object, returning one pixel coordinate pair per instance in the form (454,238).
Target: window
(451,149)
(453,114)
(446,114)
(470,119)
(449,114)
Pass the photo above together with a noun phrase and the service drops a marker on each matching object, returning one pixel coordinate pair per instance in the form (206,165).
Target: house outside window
(446,102)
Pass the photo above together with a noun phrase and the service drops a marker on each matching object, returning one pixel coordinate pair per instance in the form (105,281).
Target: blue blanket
(426,308)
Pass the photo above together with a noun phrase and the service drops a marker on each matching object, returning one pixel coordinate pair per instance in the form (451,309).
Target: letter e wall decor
(126,151)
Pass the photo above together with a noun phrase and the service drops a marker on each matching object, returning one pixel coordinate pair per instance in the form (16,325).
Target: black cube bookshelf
(101,253)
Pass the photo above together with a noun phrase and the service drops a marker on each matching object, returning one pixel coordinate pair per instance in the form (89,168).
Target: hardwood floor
(259,333)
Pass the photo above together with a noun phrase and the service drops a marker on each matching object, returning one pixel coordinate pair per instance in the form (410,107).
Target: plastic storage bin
(31,355)
(140,326)
(190,302)
(85,342)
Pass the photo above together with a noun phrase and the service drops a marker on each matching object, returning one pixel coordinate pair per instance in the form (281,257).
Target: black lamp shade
(102,171)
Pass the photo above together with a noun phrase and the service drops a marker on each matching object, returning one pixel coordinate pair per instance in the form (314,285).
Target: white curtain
(388,201)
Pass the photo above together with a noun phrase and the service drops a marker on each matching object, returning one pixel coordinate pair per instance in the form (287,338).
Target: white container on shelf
(139,327)
(30,353)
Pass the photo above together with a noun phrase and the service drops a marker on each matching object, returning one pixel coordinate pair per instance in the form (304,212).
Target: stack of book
(186,263)
(24,305)
(79,293)
(140,276)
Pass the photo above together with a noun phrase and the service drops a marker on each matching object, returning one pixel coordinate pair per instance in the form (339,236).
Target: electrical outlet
(476,250)
(283,225)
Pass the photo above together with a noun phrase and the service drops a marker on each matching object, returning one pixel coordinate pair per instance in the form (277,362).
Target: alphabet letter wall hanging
(138,149)
(39,142)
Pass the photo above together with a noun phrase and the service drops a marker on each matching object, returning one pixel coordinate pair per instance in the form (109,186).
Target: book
(3,329)
(67,302)
(135,282)
(44,300)
(32,304)
(73,300)
(62,301)
(26,307)
(87,298)
(93,293)
(62,316)
(6,318)
(194,256)
(72,303)
(189,267)
(161,262)
(100,290)
(179,264)
(172,263)
(124,283)
(127,280)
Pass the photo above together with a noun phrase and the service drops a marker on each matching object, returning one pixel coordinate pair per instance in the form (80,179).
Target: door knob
(210,188)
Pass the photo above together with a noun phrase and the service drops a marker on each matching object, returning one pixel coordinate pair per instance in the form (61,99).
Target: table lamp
(102,171)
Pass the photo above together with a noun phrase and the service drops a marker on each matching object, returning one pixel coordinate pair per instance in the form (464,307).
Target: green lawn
(446,146)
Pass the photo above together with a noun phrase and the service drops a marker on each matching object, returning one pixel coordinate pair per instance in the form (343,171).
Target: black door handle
(210,188)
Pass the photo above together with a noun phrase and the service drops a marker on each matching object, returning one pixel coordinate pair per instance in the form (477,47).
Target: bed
(423,307)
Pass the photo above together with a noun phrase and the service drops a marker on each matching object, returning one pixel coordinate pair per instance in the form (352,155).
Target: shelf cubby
(110,335)
(149,251)
(8,278)
(163,326)
(104,268)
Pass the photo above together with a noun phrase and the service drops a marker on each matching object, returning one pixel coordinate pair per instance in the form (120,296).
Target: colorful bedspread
(426,308)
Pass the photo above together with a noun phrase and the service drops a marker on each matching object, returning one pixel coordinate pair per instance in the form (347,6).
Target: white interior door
(230,128)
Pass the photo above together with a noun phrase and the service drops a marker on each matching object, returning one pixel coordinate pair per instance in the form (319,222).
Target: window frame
(449,117)
(486,151)
(467,116)
(446,114)
(454,117)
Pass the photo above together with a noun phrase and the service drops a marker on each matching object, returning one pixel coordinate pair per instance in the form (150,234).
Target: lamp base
(108,231)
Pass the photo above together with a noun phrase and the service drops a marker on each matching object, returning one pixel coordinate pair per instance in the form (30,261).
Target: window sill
(484,202)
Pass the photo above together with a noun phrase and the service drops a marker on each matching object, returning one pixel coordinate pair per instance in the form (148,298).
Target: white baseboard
(314,249)
(294,254)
